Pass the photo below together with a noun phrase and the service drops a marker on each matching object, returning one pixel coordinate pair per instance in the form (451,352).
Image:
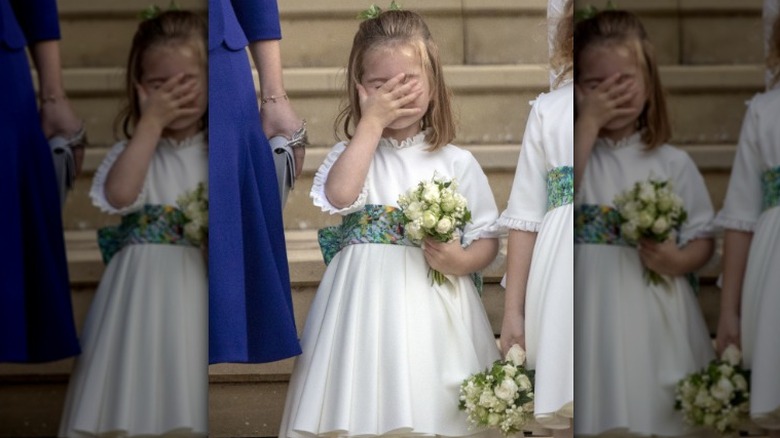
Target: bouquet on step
(717,396)
(195,206)
(502,396)
(434,209)
(650,210)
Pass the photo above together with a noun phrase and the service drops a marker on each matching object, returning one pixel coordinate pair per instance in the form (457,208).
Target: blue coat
(250,307)
(36,317)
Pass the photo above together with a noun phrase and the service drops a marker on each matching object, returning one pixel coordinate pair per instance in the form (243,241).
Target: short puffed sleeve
(97,192)
(474,186)
(689,184)
(317,193)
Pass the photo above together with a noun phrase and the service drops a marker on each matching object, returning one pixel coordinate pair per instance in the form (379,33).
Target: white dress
(752,205)
(384,351)
(144,365)
(548,146)
(634,341)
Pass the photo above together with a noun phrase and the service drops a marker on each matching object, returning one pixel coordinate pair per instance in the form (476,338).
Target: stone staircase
(495,55)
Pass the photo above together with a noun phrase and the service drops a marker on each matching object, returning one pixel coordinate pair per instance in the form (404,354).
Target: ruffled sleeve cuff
(506,223)
(98,194)
(318,186)
(724,221)
(706,232)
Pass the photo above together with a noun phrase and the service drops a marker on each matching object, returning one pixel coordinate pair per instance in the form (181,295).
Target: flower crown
(373,11)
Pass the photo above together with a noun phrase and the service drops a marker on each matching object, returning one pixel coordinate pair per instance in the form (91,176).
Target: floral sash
(373,224)
(560,187)
(162,224)
(770,184)
(599,224)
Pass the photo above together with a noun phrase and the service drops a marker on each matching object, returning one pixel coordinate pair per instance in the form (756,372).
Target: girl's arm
(379,108)
(736,245)
(595,108)
(668,259)
(159,107)
(277,113)
(451,258)
(519,251)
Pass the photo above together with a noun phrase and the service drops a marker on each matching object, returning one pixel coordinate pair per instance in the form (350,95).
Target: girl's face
(159,64)
(599,63)
(384,63)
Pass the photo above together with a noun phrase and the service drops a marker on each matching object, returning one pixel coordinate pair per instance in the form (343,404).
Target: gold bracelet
(272,99)
(51,98)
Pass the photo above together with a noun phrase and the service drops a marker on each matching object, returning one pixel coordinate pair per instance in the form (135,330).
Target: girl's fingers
(409,98)
(607,83)
(393,82)
(171,83)
(404,89)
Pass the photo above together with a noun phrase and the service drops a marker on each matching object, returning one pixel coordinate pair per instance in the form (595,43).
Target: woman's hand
(58,118)
(279,118)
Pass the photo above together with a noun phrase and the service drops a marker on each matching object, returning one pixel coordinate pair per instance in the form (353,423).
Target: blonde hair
(624,28)
(169,27)
(563,46)
(773,59)
(390,29)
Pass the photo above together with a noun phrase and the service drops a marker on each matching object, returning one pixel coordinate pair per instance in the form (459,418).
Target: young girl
(539,253)
(751,218)
(143,370)
(634,340)
(384,349)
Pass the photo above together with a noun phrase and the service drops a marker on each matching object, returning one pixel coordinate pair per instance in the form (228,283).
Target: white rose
(493,419)
(523,382)
(709,419)
(510,370)
(413,230)
(665,201)
(516,355)
(702,397)
(430,193)
(739,382)
(645,220)
(507,390)
(732,355)
(647,192)
(629,231)
(444,225)
(723,389)
(413,210)
(726,370)
(488,399)
(429,220)
(660,225)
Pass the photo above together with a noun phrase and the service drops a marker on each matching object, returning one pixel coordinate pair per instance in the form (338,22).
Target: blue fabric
(250,307)
(36,317)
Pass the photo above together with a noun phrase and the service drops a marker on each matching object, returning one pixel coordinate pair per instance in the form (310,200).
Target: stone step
(699,32)
(469,32)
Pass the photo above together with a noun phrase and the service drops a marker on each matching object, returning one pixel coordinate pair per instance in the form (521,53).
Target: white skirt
(760,323)
(549,319)
(634,342)
(384,352)
(144,365)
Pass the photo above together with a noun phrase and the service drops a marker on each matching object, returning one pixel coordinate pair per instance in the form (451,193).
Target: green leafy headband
(590,11)
(153,11)
(373,11)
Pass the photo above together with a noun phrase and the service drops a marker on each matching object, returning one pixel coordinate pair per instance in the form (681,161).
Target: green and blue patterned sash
(598,224)
(560,187)
(373,224)
(770,185)
(163,224)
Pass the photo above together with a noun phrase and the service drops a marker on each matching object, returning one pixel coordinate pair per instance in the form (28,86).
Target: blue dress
(250,308)
(36,317)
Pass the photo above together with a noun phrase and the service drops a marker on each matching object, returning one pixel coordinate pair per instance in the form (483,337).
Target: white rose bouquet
(717,396)
(434,209)
(502,396)
(650,210)
(195,206)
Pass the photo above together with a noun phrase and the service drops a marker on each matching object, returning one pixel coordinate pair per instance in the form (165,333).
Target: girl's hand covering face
(601,102)
(174,98)
(387,103)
